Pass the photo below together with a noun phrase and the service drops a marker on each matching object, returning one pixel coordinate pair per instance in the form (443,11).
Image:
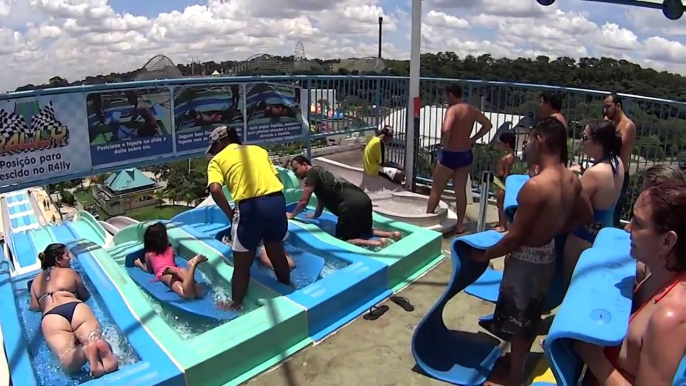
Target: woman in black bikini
(69,326)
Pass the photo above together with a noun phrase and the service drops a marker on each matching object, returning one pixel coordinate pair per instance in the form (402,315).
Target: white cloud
(77,38)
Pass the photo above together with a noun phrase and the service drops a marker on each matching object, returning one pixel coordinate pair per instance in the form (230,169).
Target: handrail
(265,78)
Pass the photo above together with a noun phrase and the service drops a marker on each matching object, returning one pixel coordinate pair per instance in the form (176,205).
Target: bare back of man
(560,118)
(455,157)
(627,130)
(556,190)
(546,202)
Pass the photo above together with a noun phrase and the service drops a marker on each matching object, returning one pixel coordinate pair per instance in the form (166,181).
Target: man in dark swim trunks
(550,203)
(455,157)
(347,201)
(149,126)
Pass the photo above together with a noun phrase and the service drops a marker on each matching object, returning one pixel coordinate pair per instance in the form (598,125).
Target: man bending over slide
(549,203)
(347,201)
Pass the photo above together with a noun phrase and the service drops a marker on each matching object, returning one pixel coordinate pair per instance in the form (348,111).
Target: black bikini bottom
(65,310)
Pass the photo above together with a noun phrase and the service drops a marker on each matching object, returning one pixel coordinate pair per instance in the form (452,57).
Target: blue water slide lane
(155,366)
(332,301)
(441,353)
(16,347)
(23,249)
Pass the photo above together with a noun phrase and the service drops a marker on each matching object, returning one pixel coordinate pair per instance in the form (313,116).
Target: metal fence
(373,101)
(344,108)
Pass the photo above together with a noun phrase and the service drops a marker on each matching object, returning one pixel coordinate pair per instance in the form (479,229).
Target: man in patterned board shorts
(549,203)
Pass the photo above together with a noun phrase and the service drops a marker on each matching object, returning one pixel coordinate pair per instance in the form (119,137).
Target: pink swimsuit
(161,262)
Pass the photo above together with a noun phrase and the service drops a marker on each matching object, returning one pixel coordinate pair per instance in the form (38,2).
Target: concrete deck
(379,352)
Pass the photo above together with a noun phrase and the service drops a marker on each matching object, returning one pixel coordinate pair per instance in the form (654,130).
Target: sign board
(42,137)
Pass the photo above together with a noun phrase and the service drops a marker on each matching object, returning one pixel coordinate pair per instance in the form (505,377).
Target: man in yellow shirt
(374,158)
(260,215)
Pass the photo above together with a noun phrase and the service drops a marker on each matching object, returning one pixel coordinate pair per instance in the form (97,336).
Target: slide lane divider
(18,357)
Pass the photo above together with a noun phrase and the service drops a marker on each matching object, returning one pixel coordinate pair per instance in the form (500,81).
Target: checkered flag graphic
(11,124)
(46,121)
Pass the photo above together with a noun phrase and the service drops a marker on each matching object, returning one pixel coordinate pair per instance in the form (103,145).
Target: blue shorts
(454,160)
(258,220)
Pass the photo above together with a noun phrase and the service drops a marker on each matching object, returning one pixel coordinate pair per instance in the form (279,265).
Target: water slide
(120,222)
(4,366)
(113,225)
(29,352)
(87,227)
(40,216)
(390,200)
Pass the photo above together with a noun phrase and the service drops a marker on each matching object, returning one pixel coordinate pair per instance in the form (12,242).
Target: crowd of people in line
(558,199)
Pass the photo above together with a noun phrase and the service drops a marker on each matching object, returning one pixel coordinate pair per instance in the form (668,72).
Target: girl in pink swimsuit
(159,260)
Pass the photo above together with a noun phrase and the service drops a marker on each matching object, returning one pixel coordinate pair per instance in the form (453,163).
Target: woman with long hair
(602,183)
(69,326)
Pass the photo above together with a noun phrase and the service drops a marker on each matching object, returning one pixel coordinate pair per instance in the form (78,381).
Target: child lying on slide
(262,253)
(159,260)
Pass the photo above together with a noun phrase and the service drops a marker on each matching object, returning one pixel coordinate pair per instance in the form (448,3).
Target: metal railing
(343,108)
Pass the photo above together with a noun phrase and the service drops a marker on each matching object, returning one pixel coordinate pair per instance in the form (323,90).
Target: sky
(73,39)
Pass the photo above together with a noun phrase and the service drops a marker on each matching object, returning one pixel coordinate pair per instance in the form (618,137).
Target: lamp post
(414,103)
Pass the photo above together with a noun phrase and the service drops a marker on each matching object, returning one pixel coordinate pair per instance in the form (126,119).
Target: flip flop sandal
(375,312)
(403,302)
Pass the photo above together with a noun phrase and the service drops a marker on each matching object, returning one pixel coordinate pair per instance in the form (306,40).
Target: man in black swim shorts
(345,200)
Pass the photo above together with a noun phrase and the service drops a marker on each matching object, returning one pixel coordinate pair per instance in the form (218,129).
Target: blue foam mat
(439,352)
(204,306)
(596,309)
(513,184)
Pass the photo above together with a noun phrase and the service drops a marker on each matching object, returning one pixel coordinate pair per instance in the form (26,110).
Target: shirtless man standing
(455,157)
(549,203)
(550,105)
(613,110)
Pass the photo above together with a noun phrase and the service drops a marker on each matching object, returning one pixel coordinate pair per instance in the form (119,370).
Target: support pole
(486,180)
(380,35)
(413,119)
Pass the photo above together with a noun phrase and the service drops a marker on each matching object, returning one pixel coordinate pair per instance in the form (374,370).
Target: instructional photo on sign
(128,125)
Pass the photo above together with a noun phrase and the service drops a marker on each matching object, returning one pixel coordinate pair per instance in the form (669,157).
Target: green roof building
(125,190)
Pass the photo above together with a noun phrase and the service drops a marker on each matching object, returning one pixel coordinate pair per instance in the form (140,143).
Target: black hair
(604,133)
(554,134)
(454,89)
(508,138)
(668,204)
(232,136)
(301,159)
(386,130)
(132,97)
(616,99)
(155,238)
(52,253)
(554,99)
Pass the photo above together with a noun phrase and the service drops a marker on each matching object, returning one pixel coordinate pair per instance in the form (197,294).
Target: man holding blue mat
(550,203)
(260,214)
